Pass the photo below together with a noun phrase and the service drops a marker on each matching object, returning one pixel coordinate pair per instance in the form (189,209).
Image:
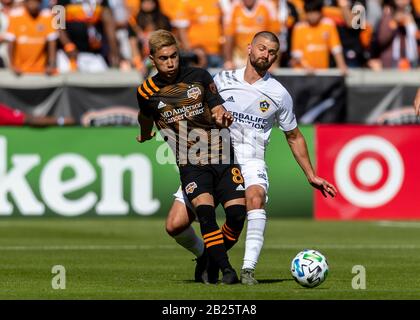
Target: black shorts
(223,181)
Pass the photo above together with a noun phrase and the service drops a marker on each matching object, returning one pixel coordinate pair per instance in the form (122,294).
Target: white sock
(254,237)
(189,240)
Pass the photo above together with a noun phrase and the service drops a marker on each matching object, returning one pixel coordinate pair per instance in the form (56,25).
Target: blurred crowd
(59,36)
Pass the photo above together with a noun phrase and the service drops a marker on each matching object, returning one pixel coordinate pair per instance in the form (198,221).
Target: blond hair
(159,39)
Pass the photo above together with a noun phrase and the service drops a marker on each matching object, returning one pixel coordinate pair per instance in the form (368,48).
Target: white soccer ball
(309,268)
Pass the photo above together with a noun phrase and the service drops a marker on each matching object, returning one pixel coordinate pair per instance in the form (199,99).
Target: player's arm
(417,103)
(51,57)
(145,120)
(299,149)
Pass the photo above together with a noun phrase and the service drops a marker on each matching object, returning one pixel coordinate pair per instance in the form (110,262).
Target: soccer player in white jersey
(258,102)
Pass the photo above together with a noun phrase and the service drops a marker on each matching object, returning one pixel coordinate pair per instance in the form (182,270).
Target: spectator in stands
(314,39)
(149,19)
(15,117)
(168,7)
(355,34)
(89,39)
(396,36)
(246,18)
(32,39)
(200,30)
(5,7)
(133,7)
(299,5)
(288,16)
(120,14)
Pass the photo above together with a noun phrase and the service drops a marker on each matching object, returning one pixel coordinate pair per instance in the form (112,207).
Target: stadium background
(65,198)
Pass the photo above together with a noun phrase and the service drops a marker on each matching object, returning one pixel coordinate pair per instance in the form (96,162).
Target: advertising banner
(375,169)
(316,99)
(100,172)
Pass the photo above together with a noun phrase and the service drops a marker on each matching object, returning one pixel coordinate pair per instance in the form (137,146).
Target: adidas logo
(230,99)
(161,105)
(240,188)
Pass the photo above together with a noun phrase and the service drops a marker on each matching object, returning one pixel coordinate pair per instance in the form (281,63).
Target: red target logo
(369,171)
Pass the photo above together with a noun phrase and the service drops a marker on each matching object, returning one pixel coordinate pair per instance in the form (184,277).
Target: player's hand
(142,139)
(227,119)
(223,118)
(324,186)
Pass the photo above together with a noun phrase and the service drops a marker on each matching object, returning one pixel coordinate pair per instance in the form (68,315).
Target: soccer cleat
(229,276)
(212,272)
(247,277)
(200,273)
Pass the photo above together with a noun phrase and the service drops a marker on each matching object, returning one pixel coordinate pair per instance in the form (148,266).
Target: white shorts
(254,173)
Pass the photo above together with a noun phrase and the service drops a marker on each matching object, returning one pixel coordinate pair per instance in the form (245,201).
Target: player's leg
(230,191)
(213,238)
(256,182)
(256,217)
(178,226)
(197,183)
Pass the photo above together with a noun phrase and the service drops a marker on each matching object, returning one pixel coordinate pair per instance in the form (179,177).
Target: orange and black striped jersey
(182,106)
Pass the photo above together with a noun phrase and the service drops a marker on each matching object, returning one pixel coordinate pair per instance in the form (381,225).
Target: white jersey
(256,108)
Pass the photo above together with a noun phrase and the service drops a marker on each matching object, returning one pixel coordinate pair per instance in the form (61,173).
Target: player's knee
(206,214)
(235,216)
(175,226)
(255,201)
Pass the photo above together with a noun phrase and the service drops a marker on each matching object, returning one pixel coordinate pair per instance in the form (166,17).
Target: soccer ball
(309,268)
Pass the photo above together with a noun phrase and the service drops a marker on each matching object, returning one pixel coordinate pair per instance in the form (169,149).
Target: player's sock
(235,219)
(212,235)
(254,237)
(190,241)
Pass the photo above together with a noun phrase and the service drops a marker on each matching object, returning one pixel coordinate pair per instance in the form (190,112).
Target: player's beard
(260,64)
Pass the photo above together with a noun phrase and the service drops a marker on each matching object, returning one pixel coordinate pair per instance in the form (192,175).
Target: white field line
(172,247)
(397,224)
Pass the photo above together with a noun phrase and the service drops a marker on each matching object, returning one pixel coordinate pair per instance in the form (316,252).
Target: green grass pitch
(133,258)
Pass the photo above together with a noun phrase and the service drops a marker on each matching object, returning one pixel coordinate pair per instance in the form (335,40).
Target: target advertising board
(375,169)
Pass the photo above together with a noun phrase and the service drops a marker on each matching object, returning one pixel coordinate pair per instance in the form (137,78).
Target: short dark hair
(268,35)
(313,5)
